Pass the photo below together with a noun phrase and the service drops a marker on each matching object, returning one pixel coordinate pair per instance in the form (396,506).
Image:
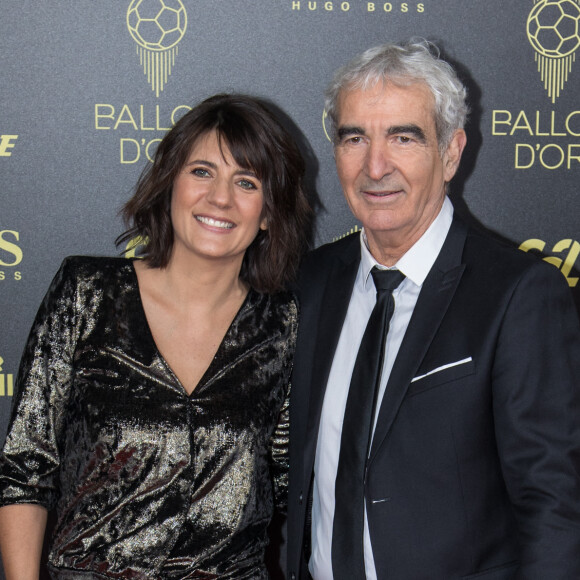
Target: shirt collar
(419,259)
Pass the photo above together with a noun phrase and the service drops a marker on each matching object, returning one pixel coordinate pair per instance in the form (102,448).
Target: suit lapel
(434,299)
(332,312)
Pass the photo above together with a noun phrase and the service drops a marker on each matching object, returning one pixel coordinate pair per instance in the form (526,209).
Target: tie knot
(387,279)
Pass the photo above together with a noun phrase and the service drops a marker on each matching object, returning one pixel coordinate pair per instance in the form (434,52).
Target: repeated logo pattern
(553,29)
(157,26)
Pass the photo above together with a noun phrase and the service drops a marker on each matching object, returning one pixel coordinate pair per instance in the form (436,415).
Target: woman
(151,394)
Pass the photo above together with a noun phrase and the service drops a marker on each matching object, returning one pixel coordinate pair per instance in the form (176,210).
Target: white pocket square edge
(442,368)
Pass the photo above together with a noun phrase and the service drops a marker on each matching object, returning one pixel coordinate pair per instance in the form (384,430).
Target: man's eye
(404,139)
(354,140)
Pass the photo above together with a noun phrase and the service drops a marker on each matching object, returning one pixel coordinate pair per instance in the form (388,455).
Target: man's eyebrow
(410,129)
(347,130)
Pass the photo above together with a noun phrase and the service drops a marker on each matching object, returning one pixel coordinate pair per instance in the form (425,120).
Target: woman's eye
(200,172)
(245,184)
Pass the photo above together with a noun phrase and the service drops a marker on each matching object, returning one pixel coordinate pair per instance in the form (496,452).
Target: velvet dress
(146,480)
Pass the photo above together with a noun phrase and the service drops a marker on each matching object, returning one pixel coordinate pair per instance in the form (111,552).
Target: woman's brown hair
(257,141)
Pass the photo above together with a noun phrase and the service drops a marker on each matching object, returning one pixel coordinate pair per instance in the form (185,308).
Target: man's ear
(452,155)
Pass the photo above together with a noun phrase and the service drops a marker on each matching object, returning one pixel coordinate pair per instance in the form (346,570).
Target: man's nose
(378,161)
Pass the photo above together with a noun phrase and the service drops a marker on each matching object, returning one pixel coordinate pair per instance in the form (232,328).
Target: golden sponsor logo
(324,128)
(7,143)
(135,118)
(568,249)
(553,29)
(10,255)
(342,6)
(6,381)
(352,230)
(157,26)
(134,246)
(559,127)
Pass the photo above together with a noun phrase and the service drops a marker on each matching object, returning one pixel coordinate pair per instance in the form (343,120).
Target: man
(469,465)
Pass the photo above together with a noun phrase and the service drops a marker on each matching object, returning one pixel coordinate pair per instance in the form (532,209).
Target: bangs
(244,142)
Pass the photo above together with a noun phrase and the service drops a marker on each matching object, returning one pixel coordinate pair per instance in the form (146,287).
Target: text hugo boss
(540,124)
(345,6)
(10,255)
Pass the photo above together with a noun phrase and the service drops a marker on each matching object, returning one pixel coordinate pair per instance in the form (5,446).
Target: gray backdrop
(88,88)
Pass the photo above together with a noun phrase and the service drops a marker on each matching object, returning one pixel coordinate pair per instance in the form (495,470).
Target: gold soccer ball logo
(553,29)
(157,26)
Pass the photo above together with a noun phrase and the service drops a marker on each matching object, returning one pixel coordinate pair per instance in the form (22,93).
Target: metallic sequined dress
(148,482)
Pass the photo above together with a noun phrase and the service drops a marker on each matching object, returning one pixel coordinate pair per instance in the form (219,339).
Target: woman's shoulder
(281,305)
(284,299)
(95,267)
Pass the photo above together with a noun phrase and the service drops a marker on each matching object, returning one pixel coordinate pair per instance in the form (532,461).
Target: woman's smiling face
(216,205)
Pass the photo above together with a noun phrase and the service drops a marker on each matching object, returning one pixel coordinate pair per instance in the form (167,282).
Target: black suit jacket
(474,470)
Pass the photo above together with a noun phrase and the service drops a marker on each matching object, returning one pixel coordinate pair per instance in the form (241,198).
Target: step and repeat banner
(88,89)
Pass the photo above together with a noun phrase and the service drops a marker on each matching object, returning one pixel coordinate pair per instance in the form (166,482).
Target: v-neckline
(204,379)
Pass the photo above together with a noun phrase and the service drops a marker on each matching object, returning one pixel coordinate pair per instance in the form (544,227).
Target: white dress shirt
(415,264)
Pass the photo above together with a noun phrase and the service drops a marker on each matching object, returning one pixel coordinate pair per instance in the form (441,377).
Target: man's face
(389,164)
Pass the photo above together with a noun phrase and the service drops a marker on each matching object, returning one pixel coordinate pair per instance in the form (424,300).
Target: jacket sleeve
(536,390)
(30,460)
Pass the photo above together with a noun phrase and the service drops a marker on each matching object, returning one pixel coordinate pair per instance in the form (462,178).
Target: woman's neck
(200,282)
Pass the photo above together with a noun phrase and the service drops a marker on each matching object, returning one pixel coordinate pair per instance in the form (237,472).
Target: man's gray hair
(415,61)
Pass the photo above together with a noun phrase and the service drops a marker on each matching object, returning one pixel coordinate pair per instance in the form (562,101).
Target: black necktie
(348,526)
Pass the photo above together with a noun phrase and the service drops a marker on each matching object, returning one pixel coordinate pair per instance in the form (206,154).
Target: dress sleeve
(280,440)
(30,459)
(279,444)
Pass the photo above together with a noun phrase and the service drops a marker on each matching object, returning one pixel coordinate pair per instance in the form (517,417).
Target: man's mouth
(382,193)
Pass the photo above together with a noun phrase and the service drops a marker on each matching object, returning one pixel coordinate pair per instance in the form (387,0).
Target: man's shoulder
(346,248)
(319,264)
(499,260)
(483,246)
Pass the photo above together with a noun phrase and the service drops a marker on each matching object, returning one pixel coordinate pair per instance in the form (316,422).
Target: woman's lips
(214,222)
